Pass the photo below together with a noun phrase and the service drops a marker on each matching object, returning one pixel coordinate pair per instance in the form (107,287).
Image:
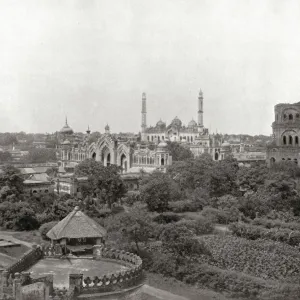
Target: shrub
(116,209)
(45,228)
(165,264)
(167,217)
(199,226)
(253,232)
(131,198)
(104,212)
(185,206)
(216,215)
(268,223)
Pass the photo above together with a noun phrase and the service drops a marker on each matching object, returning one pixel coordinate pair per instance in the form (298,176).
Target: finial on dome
(106,128)
(200,94)
(66,120)
(88,130)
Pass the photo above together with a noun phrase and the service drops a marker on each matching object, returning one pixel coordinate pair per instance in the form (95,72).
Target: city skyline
(74,59)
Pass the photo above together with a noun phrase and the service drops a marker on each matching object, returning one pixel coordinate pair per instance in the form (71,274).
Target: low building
(38,187)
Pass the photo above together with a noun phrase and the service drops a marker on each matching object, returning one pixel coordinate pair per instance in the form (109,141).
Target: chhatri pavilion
(77,233)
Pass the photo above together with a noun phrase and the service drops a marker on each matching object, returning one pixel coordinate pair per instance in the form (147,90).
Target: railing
(26,261)
(118,280)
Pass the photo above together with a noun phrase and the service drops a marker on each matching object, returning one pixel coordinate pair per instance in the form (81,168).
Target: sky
(91,60)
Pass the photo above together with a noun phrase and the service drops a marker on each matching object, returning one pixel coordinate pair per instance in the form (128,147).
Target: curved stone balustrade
(119,279)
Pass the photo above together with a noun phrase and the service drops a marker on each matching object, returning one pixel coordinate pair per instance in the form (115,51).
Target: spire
(66,120)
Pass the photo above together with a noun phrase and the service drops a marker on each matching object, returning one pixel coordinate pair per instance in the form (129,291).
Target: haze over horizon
(92,60)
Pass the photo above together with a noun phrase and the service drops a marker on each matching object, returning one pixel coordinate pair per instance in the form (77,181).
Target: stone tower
(200,111)
(144,118)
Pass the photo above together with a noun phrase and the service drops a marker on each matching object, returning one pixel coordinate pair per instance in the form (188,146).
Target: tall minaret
(144,118)
(200,110)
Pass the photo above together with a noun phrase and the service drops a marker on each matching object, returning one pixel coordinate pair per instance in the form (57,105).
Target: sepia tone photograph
(149,150)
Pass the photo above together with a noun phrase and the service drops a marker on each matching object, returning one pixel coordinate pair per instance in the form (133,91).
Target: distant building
(286,133)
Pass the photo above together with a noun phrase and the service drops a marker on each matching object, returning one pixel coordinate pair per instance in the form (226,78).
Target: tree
(52,172)
(133,226)
(37,155)
(223,177)
(179,152)
(192,173)
(104,182)
(11,178)
(17,216)
(5,156)
(156,191)
(181,241)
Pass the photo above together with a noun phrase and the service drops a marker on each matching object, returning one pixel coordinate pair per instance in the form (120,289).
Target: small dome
(192,123)
(107,127)
(176,121)
(160,123)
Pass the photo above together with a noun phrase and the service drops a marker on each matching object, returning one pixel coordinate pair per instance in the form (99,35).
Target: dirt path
(161,294)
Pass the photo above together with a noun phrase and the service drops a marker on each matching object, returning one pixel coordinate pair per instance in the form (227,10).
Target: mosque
(150,153)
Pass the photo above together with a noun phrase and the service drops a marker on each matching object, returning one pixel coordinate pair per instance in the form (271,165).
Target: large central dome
(66,129)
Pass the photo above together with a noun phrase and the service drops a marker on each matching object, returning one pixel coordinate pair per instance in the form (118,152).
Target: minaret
(200,109)
(144,118)
(88,130)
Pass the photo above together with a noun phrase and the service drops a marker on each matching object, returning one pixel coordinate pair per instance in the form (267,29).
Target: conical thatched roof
(76,225)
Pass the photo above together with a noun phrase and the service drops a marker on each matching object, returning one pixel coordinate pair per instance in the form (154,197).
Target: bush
(116,209)
(45,228)
(167,217)
(104,212)
(216,215)
(199,226)
(267,223)
(131,198)
(253,232)
(165,264)
(185,206)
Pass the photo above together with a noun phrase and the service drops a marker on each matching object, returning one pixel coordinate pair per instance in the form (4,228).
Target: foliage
(223,178)
(45,228)
(105,182)
(133,226)
(10,179)
(192,173)
(156,191)
(221,216)
(181,241)
(5,156)
(269,223)
(17,216)
(131,198)
(185,206)
(261,258)
(166,217)
(252,232)
(52,172)
(179,152)
(40,155)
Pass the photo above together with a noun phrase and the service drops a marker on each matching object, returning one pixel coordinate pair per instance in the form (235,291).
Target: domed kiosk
(94,272)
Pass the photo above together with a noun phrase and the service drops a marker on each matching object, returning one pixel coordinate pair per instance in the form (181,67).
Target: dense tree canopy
(103,182)
(156,191)
(179,152)
(5,156)
(37,155)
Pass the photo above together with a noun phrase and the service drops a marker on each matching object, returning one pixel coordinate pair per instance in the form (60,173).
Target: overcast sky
(92,59)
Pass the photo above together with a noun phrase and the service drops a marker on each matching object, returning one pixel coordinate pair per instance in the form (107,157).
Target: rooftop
(76,225)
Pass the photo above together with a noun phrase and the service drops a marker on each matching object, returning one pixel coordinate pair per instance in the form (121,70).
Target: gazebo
(77,233)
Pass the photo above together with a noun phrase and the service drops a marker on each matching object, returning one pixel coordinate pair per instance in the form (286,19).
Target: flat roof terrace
(61,268)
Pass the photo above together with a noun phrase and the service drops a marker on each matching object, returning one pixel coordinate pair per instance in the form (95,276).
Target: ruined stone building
(286,133)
